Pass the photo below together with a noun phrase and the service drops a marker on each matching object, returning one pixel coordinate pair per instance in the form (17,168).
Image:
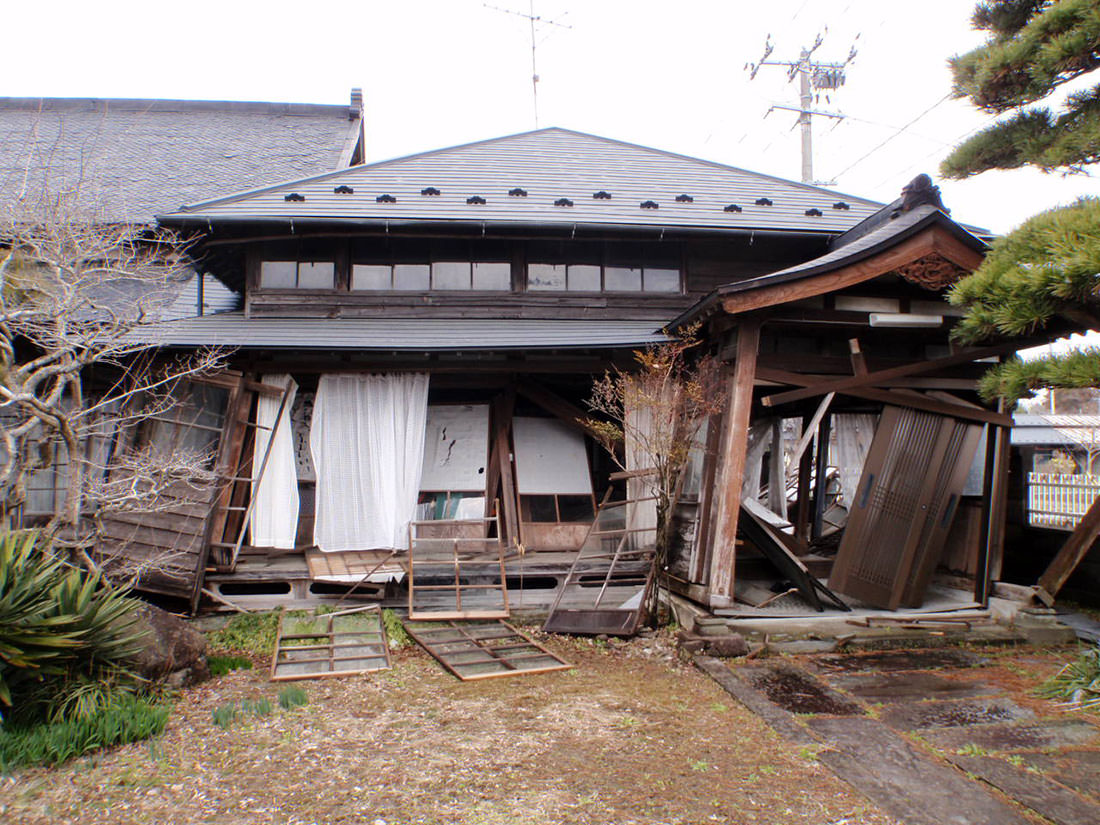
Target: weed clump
(292,697)
(221,665)
(1078,683)
(126,719)
(252,633)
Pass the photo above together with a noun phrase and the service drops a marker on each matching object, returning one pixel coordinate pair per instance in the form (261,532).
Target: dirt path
(628,736)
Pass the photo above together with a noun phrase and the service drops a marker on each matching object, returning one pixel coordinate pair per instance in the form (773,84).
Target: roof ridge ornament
(921,191)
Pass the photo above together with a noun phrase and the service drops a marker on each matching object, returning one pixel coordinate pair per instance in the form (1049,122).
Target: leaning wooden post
(727,495)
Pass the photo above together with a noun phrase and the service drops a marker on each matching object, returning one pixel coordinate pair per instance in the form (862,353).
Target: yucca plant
(65,634)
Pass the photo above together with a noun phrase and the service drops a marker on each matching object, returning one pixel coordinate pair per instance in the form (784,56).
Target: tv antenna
(813,76)
(534,20)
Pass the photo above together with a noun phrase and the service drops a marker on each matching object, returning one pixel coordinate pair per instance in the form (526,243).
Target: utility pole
(533,19)
(812,76)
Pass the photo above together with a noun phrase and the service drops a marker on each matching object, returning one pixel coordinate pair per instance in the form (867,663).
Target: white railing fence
(1059,501)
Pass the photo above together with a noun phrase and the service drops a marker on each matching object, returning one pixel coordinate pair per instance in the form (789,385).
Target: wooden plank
(870,379)
(700,564)
(1073,551)
(728,497)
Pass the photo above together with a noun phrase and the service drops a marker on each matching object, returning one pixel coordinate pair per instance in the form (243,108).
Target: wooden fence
(1059,501)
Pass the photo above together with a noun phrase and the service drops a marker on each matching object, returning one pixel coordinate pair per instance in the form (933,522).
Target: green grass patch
(226,715)
(293,696)
(395,631)
(129,719)
(221,665)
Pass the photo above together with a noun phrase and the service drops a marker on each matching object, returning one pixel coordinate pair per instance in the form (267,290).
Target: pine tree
(1034,48)
(1047,272)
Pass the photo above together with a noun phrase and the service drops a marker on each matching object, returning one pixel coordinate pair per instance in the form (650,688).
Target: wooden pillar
(821,470)
(727,496)
(802,508)
(994,506)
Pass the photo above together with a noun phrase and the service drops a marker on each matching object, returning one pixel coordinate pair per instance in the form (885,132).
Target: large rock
(173,651)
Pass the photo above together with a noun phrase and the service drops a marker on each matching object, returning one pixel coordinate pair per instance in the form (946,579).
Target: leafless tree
(651,418)
(74,370)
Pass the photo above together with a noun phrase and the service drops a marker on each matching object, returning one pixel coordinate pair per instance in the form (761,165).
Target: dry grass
(628,736)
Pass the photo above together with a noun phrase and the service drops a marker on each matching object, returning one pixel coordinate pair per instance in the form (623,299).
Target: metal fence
(1059,501)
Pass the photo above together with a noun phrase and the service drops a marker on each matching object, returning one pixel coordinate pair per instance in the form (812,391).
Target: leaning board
(551,458)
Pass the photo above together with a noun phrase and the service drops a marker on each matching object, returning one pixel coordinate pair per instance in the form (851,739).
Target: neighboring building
(472,294)
(124,161)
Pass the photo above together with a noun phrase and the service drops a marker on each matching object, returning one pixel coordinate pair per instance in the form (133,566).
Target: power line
(899,132)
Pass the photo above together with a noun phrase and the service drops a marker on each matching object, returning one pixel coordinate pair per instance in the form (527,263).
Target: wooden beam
(811,428)
(820,481)
(933,240)
(569,414)
(870,379)
(728,492)
(502,417)
(911,400)
(1075,549)
(859,362)
(998,447)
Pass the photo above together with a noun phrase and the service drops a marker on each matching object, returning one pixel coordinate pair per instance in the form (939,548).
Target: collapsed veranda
(415,341)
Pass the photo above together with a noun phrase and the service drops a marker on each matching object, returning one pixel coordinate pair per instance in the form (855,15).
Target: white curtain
(275,511)
(367,442)
(853,439)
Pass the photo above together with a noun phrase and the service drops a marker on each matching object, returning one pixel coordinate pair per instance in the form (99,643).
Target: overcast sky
(665,74)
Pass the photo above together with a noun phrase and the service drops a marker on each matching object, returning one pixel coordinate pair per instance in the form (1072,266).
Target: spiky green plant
(66,636)
(1078,683)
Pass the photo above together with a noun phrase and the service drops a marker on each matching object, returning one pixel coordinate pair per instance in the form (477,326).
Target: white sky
(668,75)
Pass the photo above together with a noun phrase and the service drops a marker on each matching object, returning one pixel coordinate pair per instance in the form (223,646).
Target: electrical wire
(899,132)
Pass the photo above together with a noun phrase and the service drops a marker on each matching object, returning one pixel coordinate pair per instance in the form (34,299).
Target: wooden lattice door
(907,496)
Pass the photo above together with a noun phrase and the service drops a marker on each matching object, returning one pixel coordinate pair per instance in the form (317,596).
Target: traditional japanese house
(421,334)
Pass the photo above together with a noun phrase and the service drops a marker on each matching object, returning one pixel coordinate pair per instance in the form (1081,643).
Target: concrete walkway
(925,740)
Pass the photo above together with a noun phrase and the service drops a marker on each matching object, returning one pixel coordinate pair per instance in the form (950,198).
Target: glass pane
(450,275)
(576,508)
(662,280)
(411,277)
(545,276)
(371,276)
(540,508)
(495,276)
(278,274)
(584,278)
(622,279)
(316,275)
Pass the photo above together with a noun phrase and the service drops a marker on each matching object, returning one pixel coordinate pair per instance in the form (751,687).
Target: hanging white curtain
(274,520)
(367,441)
(853,439)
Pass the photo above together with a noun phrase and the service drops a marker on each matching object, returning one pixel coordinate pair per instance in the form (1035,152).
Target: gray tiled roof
(549,165)
(396,334)
(129,159)
(1054,430)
